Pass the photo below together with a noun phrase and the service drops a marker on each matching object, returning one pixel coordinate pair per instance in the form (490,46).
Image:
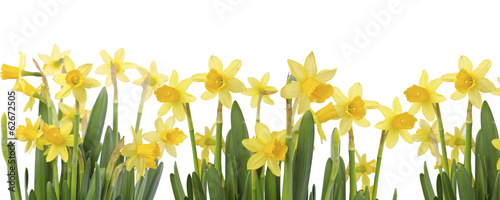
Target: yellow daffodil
(34,94)
(423,135)
(140,156)
(166,135)
(496,144)
(68,113)
(207,142)
(11,72)
(260,88)
(352,108)
(397,123)
(58,140)
(174,96)
(363,169)
(53,62)
(75,81)
(310,86)
(470,82)
(30,134)
(497,91)
(424,95)
(105,69)
(457,141)
(221,82)
(321,116)
(268,148)
(155,79)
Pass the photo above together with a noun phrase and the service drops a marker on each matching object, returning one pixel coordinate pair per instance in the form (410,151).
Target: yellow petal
(362,122)
(45,58)
(355,90)
(200,77)
(465,63)
(171,150)
(178,110)
(485,85)
(65,91)
(164,109)
(254,101)
(304,104)
(151,137)
(106,58)
(208,95)
(406,136)
(325,75)
(498,164)
(386,111)
(225,98)
(51,153)
(65,109)
(235,85)
(253,145)
(80,94)
(128,150)
(122,77)
(63,152)
(184,84)
(496,143)
(434,84)
(449,77)
(272,164)
(424,78)
(458,95)
(256,161)
(232,69)
(254,83)
(310,65)
(174,79)
(186,98)
(415,107)
(119,55)
(423,148)
(215,63)
(392,139)
(291,90)
(268,100)
(482,69)
(339,97)
(103,69)
(68,64)
(428,111)
(345,125)
(385,124)
(85,69)
(265,79)
(475,98)
(91,83)
(262,132)
(298,71)
(128,65)
(371,104)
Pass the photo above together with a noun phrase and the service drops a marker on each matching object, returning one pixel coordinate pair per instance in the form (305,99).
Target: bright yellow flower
(457,141)
(11,72)
(363,169)
(140,156)
(174,96)
(397,123)
(155,79)
(207,142)
(423,135)
(32,96)
(470,82)
(310,86)
(166,135)
(352,108)
(105,69)
(30,134)
(68,113)
(267,147)
(221,82)
(497,91)
(260,88)
(321,116)
(75,80)
(53,62)
(496,144)
(58,140)
(424,95)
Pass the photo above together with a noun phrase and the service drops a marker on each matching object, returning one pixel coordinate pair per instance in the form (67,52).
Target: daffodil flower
(58,140)
(424,96)
(34,94)
(268,148)
(423,135)
(260,88)
(105,69)
(321,116)
(53,62)
(397,123)
(352,108)
(68,113)
(174,96)
(363,169)
(457,141)
(496,144)
(221,82)
(166,135)
(17,73)
(207,142)
(310,86)
(30,134)
(140,156)
(469,82)
(75,81)
(155,79)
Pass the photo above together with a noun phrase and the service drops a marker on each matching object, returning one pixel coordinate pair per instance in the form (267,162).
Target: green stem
(352,166)
(187,110)
(55,177)
(383,137)
(441,137)
(75,151)
(468,140)
(254,185)
(259,102)
(335,164)
(287,180)
(115,123)
(138,121)
(218,141)
(27,73)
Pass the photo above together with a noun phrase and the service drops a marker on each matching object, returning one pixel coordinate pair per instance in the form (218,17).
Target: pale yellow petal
(215,63)
(449,77)
(208,95)
(262,132)
(103,69)
(272,164)
(254,83)
(496,143)
(458,95)
(265,79)
(235,85)
(345,125)
(80,94)
(385,124)
(178,110)
(406,136)
(151,137)
(65,91)
(355,90)
(434,84)
(298,71)
(475,98)
(106,58)
(253,145)
(310,65)
(392,139)
(423,148)
(415,107)
(174,79)
(268,100)
(485,85)
(339,97)
(164,109)
(200,77)
(254,101)
(428,111)
(122,77)
(256,161)
(483,68)
(291,90)
(424,78)
(232,69)
(91,83)
(171,150)
(65,109)
(465,63)
(362,122)
(119,55)
(304,104)
(85,69)
(68,64)
(396,106)
(371,104)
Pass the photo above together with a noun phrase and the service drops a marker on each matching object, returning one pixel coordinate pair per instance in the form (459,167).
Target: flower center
(416,94)
(316,91)
(172,136)
(9,72)
(215,81)
(53,135)
(356,108)
(74,78)
(276,149)
(327,113)
(149,152)
(404,121)
(464,82)
(166,94)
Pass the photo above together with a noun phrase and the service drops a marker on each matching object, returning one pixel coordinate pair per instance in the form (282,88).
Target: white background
(388,55)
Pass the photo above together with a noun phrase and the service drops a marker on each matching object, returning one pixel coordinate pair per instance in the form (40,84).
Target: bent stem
(287,180)
(437,110)
(187,110)
(468,140)
(383,137)
(75,151)
(257,118)
(352,166)
(218,141)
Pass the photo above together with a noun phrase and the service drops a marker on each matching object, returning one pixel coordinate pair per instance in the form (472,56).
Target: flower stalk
(75,151)
(191,136)
(145,88)
(115,104)
(259,102)
(383,137)
(352,166)
(437,110)
(287,180)
(218,140)
(468,140)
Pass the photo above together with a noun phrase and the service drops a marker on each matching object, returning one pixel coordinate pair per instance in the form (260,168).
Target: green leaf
(496,190)
(485,148)
(303,157)
(153,181)
(453,176)
(86,180)
(481,184)
(98,181)
(367,193)
(65,193)
(231,175)
(426,184)
(395,197)
(326,177)
(118,184)
(312,195)
(51,192)
(32,195)
(189,187)
(41,170)
(26,181)
(95,125)
(272,185)
(464,184)
(199,194)
(107,150)
(236,150)
(448,192)
(246,192)
(214,184)
(439,187)
(340,188)
(176,184)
